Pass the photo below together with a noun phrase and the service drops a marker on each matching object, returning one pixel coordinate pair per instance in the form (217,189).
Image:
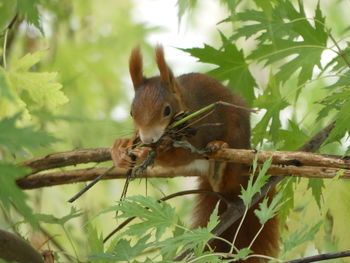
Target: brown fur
(191,92)
(135,67)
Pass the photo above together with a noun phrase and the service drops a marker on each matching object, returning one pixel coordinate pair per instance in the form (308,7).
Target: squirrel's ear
(165,72)
(135,67)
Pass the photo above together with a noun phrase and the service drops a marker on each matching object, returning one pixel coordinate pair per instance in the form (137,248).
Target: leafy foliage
(60,92)
(29,9)
(231,66)
(299,237)
(255,184)
(15,138)
(11,195)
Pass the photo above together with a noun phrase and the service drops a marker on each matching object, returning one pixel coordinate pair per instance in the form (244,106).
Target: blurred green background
(88,44)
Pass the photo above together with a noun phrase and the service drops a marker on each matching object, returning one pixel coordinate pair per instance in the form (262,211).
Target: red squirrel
(157,100)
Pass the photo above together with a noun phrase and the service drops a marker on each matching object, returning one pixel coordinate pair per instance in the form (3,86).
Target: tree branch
(321,257)
(83,175)
(284,163)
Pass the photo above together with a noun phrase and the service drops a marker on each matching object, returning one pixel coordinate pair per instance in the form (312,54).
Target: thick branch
(83,175)
(301,164)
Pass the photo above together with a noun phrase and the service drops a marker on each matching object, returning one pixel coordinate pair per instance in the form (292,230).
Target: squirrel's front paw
(214,146)
(119,153)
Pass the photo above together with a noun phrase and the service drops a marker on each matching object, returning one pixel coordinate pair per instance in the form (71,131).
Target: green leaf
(299,237)
(5,89)
(178,231)
(124,251)
(29,9)
(36,89)
(27,61)
(341,124)
(196,238)
(41,89)
(214,218)
(8,12)
(208,256)
(231,66)
(266,25)
(316,185)
(334,101)
(95,243)
(267,211)
(338,63)
(306,50)
(154,214)
(243,253)
(16,139)
(50,219)
(10,194)
(294,137)
(287,186)
(183,6)
(255,183)
(272,101)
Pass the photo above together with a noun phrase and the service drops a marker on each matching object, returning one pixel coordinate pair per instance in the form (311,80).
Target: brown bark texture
(301,164)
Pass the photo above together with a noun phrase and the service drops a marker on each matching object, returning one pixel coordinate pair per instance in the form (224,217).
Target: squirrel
(157,100)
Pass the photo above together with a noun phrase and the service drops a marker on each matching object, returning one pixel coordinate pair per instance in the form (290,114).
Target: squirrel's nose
(149,136)
(147,140)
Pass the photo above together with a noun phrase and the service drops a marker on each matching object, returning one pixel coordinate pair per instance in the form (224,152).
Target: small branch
(62,159)
(340,51)
(91,184)
(315,142)
(321,257)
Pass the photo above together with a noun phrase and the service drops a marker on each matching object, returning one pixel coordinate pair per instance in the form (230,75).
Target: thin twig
(4,48)
(321,257)
(82,191)
(340,51)
(207,108)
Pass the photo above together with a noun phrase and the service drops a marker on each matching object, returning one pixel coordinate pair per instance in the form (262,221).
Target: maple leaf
(16,139)
(37,89)
(231,66)
(286,32)
(316,185)
(11,194)
(29,9)
(273,102)
(8,12)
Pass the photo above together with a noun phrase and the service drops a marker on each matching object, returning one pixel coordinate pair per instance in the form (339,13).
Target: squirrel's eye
(167,111)
(131,113)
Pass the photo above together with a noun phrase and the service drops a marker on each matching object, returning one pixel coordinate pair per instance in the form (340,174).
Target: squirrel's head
(156,100)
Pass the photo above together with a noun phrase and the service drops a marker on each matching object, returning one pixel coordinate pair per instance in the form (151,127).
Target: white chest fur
(197,166)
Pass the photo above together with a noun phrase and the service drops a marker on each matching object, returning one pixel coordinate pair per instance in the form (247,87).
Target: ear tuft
(135,67)
(165,73)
